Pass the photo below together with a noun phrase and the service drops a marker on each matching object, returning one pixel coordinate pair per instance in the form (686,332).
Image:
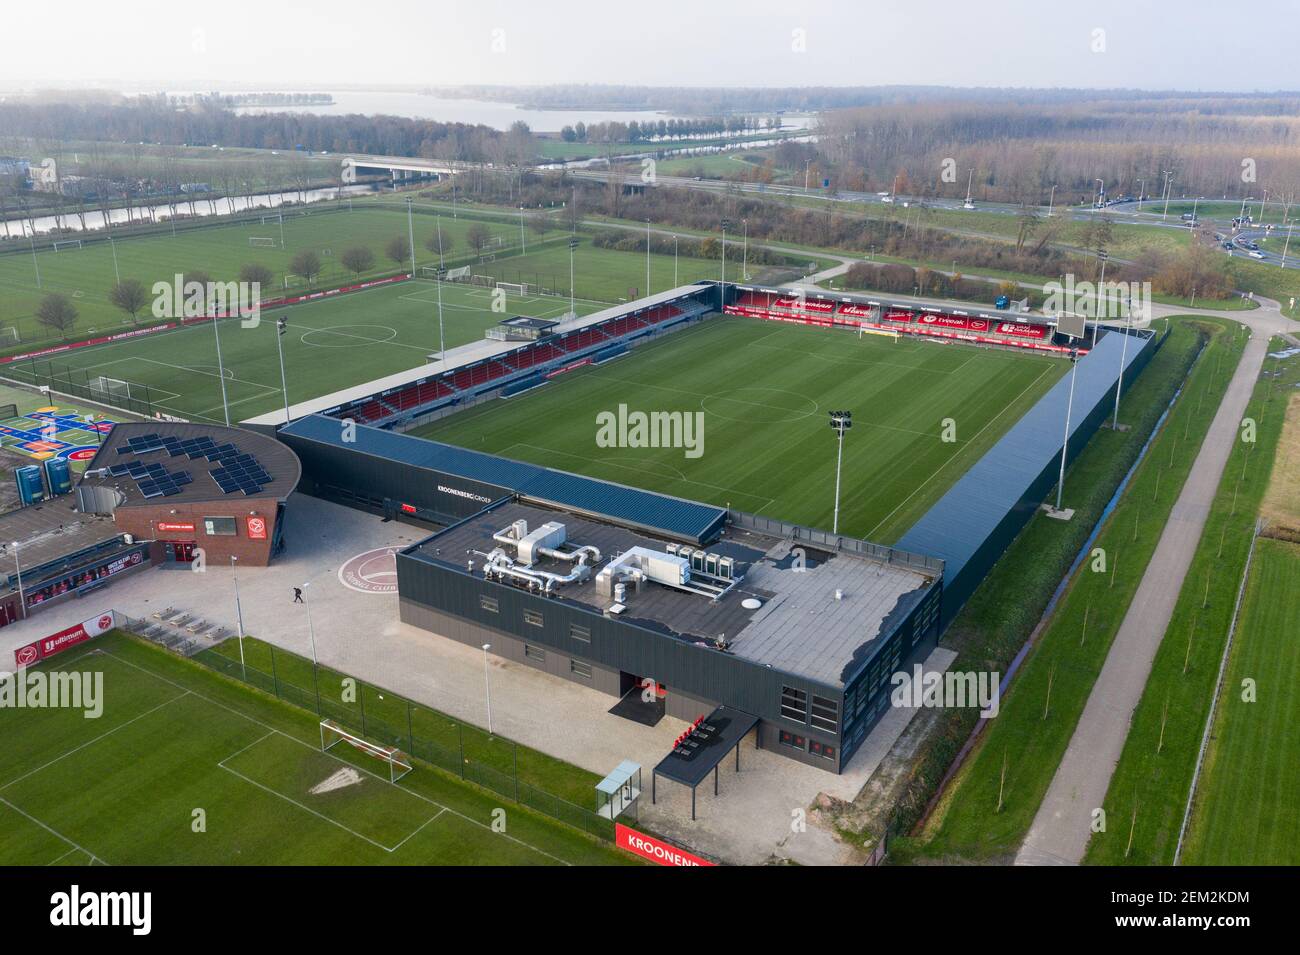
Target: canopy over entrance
(701,748)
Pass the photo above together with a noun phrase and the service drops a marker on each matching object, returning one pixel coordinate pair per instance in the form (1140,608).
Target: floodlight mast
(841,421)
(1065,445)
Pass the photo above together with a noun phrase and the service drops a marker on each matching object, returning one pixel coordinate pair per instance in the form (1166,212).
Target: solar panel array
(236,473)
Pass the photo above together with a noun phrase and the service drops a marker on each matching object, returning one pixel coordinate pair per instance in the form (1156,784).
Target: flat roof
(274,458)
(523,321)
(48,531)
(800,627)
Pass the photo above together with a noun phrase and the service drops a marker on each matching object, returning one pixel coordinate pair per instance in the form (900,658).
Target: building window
(822,750)
(580,633)
(794,704)
(825,714)
(219,526)
(533,618)
(791,739)
(488,603)
(578,668)
(534,653)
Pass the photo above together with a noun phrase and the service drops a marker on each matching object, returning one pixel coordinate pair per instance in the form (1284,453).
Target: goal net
(256,241)
(9,335)
(66,244)
(517,288)
(331,734)
(111,386)
(458,275)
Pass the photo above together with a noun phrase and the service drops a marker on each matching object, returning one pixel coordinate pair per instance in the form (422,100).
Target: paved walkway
(1060,831)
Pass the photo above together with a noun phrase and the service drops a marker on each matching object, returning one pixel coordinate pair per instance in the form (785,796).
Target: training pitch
(922,413)
(186,767)
(328,345)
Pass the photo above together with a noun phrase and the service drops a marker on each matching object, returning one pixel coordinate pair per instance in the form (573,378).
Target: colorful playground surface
(55,432)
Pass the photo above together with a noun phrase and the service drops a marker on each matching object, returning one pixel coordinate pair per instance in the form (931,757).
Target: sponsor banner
(58,642)
(256,528)
(1022,331)
(101,340)
(807,305)
(860,311)
(132,559)
(180,527)
(648,847)
(569,367)
(943,321)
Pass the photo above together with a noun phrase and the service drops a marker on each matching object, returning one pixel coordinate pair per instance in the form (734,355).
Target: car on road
(1256,254)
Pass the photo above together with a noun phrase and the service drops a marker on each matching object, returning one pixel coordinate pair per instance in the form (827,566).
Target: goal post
(331,734)
(516,288)
(111,386)
(256,241)
(66,244)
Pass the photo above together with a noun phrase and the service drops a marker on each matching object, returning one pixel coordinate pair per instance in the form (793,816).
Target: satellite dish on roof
(751,603)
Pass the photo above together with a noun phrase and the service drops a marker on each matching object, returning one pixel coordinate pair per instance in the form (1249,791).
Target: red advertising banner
(256,528)
(858,311)
(58,642)
(183,527)
(808,305)
(1022,331)
(943,321)
(647,847)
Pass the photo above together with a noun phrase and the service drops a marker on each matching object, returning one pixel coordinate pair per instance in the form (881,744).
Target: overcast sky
(181,44)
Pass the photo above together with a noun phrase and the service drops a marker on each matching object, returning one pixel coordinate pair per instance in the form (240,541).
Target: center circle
(759,405)
(346,339)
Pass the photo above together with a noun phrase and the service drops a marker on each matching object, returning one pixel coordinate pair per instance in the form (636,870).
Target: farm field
(246,783)
(329,344)
(764,391)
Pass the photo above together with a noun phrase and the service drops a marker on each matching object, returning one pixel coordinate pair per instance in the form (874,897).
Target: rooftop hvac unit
(711,564)
(672,547)
(727,568)
(697,559)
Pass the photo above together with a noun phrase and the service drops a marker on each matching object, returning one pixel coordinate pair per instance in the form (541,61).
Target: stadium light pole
(281,228)
(410,233)
(282,326)
(239,615)
(675,259)
(22,601)
(647,256)
(221,369)
(573,245)
(117,276)
(1141,189)
(442,265)
(523,245)
(841,421)
(744,252)
(487,685)
(1069,407)
(722,301)
(36,265)
(311,629)
(442,340)
(1119,380)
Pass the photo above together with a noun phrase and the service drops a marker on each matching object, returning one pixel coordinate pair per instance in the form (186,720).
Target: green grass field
(330,344)
(1245,803)
(185,767)
(764,390)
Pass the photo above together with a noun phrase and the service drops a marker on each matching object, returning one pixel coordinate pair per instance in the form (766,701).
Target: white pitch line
(53,832)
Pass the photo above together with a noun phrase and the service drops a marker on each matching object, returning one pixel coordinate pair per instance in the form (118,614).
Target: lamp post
(573,309)
(221,369)
(239,615)
(1169,182)
(744,253)
(1051,201)
(487,686)
(22,600)
(442,341)
(1069,407)
(1141,188)
(1119,379)
(841,421)
(311,629)
(647,256)
(523,244)
(410,233)
(726,224)
(675,261)
(282,326)
(117,276)
(441,261)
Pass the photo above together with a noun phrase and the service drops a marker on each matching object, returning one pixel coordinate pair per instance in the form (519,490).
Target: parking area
(759,816)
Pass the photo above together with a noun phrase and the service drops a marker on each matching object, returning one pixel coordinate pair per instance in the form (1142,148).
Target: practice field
(764,391)
(330,344)
(1245,802)
(184,767)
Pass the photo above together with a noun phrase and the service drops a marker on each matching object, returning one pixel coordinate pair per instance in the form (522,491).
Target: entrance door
(181,552)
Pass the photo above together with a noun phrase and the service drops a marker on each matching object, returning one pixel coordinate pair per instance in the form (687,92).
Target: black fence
(80,383)
(434,738)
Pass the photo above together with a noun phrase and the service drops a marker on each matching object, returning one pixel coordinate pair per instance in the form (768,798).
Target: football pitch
(922,413)
(185,767)
(329,344)
(1245,802)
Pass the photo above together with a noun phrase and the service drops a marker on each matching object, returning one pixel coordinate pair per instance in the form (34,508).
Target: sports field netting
(764,390)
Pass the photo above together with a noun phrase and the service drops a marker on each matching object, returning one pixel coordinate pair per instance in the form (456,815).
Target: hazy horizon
(154,45)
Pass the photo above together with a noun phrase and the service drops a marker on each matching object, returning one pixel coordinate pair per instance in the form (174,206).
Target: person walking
(297,595)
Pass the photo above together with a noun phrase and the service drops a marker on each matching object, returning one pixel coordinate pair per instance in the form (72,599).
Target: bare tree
(57,313)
